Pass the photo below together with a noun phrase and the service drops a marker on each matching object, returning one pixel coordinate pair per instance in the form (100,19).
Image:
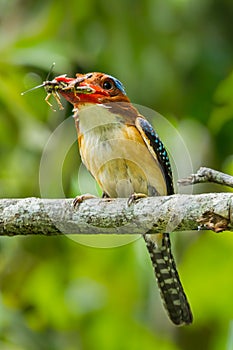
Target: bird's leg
(105,195)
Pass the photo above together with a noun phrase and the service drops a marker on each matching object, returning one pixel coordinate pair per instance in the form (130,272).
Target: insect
(65,85)
(59,84)
(52,87)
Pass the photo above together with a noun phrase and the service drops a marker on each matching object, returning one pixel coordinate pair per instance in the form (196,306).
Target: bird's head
(96,88)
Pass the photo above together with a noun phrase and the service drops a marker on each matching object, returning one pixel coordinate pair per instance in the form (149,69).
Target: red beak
(74,90)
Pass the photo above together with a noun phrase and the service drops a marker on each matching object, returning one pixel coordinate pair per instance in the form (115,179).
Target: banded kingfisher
(124,154)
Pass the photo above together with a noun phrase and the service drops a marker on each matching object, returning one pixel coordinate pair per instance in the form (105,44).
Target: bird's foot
(79,199)
(106,197)
(135,197)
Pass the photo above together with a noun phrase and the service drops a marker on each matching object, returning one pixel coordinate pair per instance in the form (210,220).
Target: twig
(207,175)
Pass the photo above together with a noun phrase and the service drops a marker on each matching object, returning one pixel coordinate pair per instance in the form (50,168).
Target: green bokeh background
(173,56)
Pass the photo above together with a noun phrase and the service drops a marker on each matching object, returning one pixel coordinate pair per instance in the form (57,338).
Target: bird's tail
(171,290)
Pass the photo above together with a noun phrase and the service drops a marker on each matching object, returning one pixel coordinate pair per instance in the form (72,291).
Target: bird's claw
(79,199)
(135,197)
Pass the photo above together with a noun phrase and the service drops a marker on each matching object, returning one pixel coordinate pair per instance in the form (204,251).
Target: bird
(125,155)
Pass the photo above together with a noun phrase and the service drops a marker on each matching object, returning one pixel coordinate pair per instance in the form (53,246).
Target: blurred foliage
(173,56)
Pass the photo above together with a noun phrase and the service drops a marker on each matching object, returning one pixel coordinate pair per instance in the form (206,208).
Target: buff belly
(117,157)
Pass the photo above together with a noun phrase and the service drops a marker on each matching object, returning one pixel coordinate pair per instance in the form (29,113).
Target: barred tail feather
(171,290)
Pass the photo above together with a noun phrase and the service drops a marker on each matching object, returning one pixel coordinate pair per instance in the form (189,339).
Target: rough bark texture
(32,216)
(207,175)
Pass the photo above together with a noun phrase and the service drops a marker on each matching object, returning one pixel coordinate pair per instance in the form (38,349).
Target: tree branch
(113,216)
(207,175)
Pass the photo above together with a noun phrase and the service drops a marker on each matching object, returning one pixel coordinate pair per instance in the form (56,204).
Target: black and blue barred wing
(157,149)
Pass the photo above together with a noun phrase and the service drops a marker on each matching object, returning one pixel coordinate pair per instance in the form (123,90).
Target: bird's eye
(108,85)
